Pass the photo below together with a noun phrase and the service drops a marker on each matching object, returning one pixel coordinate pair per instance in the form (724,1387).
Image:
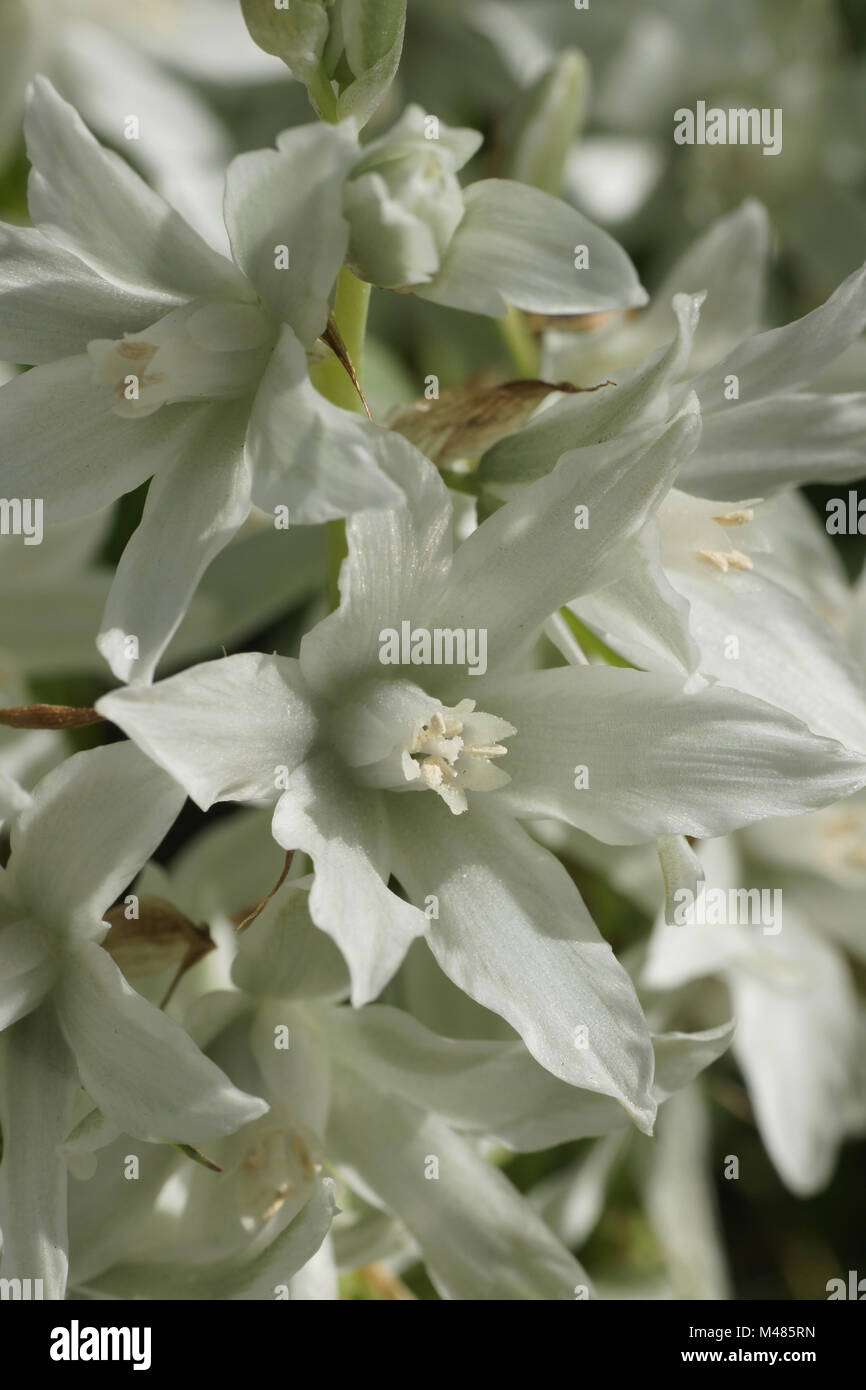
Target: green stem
(522,347)
(331,379)
(322,95)
(591,643)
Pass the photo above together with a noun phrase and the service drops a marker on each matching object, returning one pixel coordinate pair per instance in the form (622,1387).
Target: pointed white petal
(344,829)
(222,729)
(779,361)
(517,245)
(492,1088)
(52,303)
(192,511)
(641,616)
(397,564)
(797,1044)
(635,397)
(37,1099)
(787,655)
(659,761)
(479,1238)
(681,1200)
(728,262)
(292,197)
(90,826)
(680,1057)
(513,933)
(531,556)
(62,442)
(309,455)
(182,145)
(90,201)
(761,446)
(141,1068)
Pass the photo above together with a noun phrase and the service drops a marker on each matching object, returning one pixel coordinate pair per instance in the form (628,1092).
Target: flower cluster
(450,643)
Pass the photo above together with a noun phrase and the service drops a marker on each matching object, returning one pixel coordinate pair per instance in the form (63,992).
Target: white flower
(762,430)
(799,1025)
(156,356)
(338,730)
(125,73)
(495,243)
(320,1063)
(322,1066)
(69,1017)
(711,582)
(404,201)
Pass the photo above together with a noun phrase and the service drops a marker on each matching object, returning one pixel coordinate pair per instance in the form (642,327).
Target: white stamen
(455,750)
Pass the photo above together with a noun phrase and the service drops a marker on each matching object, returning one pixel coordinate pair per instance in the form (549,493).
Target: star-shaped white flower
(69,1017)
(156,357)
(357,754)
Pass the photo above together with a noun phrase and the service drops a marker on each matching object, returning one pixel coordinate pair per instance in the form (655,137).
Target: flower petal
(798,1047)
(90,201)
(222,729)
(636,396)
(143,1071)
(27,968)
(287,956)
(531,556)
(491,1088)
(479,1238)
(192,511)
(788,655)
(260,1278)
(728,262)
(658,760)
(91,824)
(292,197)
(309,455)
(641,615)
(345,831)
(52,304)
(182,146)
(763,445)
(62,442)
(779,361)
(397,564)
(513,932)
(681,1200)
(37,1101)
(517,245)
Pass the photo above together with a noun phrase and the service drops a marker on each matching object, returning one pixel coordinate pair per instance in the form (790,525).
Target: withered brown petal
(159,937)
(468,420)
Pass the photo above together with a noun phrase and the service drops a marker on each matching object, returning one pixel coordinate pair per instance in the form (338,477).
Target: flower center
(697,535)
(204,350)
(455,751)
(401,739)
(278,1166)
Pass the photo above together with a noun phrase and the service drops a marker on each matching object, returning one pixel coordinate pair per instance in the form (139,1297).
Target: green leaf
(297,34)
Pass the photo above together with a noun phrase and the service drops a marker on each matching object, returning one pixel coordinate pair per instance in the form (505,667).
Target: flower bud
(404,202)
(345,52)
(549,123)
